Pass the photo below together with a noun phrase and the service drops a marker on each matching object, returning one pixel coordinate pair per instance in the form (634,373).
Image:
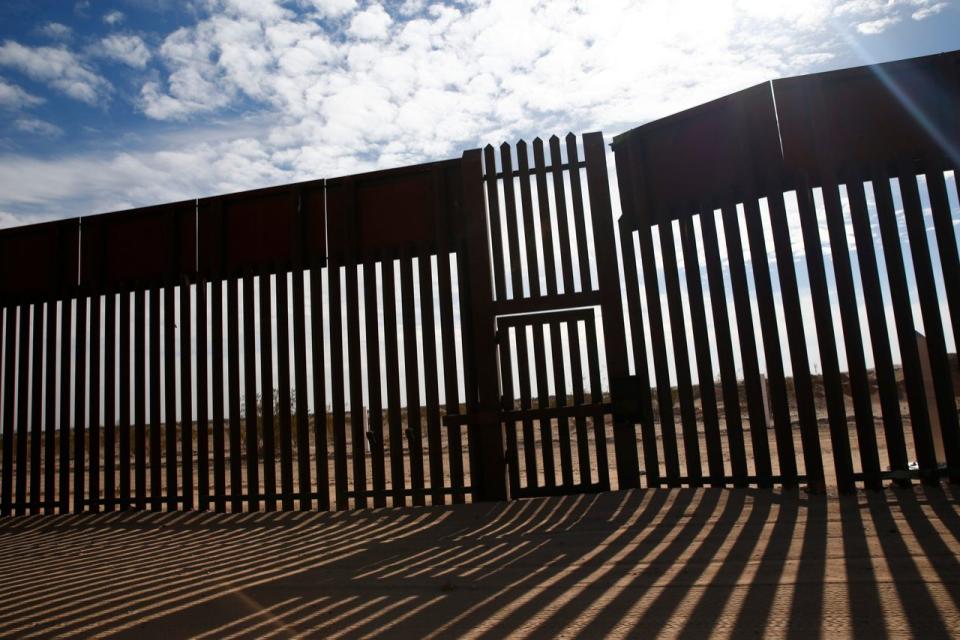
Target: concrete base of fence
(632,563)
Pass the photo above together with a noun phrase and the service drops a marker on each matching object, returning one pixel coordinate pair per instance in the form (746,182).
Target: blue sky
(106,105)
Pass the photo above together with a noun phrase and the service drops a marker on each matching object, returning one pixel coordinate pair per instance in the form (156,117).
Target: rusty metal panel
(39,261)
(313,212)
(143,246)
(907,109)
(384,211)
(250,231)
(702,152)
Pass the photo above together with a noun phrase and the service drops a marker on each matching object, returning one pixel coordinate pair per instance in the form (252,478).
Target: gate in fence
(554,272)
(479,328)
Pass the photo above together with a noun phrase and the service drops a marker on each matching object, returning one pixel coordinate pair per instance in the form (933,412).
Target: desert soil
(682,562)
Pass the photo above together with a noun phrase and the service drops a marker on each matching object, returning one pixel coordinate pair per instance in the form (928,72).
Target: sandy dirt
(686,562)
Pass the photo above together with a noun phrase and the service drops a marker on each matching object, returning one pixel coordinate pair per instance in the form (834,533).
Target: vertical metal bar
(125,398)
(487,467)
(9,387)
(853,340)
(154,382)
(109,403)
(932,324)
(508,403)
(123,464)
(23,412)
(701,342)
(36,408)
(608,276)
(668,427)
(357,436)
(93,473)
(476,444)
(139,399)
(391,362)
(651,459)
(50,410)
(563,224)
(337,391)
(266,397)
(4,508)
(493,205)
(748,347)
(560,394)
(576,378)
(906,330)
(799,360)
(319,387)
(170,393)
(80,406)
(203,415)
(411,377)
(543,401)
(770,335)
(513,234)
(375,426)
(579,218)
(596,397)
(431,393)
(233,395)
(216,386)
(283,396)
(250,395)
(186,393)
(300,378)
(451,389)
(943,224)
(826,340)
(66,350)
(681,355)
(880,337)
(526,206)
(546,228)
(529,439)
(721,324)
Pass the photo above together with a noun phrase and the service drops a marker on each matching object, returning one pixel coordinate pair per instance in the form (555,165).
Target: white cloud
(130,50)
(261,10)
(338,87)
(332,8)
(927,10)
(371,24)
(410,7)
(38,127)
(874,27)
(864,7)
(57,67)
(13,97)
(56,30)
(875,16)
(113,18)
(89,183)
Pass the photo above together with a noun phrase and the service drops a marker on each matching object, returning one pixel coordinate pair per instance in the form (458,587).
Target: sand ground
(684,562)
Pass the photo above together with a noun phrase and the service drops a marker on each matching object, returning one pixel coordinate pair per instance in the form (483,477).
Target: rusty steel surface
(809,125)
(39,262)
(139,247)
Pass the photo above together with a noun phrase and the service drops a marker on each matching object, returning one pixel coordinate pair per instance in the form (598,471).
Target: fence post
(611,304)
(489,475)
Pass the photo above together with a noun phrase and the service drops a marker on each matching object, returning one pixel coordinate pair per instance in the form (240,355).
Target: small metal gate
(534,456)
(553,319)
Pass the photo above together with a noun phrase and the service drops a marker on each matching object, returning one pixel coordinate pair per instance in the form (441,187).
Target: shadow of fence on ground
(681,562)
